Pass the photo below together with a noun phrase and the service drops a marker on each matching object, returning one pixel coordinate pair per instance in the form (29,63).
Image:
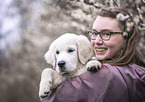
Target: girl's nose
(98,40)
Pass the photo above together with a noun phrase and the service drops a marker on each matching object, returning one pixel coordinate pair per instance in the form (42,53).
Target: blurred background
(27,28)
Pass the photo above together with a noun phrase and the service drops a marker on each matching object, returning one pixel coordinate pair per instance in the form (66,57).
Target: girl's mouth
(100,49)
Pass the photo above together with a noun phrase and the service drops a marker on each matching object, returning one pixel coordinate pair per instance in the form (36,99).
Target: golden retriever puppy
(68,55)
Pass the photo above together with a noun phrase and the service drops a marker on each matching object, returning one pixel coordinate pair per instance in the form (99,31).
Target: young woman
(114,37)
(117,43)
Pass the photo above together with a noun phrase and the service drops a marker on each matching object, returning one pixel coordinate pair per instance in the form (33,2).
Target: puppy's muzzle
(61,65)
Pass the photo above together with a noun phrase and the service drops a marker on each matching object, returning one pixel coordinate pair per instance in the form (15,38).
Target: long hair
(129,53)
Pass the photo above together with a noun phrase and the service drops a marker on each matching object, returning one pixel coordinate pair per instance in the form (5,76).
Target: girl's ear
(85,51)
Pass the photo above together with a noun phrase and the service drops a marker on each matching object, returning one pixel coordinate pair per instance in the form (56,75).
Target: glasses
(104,35)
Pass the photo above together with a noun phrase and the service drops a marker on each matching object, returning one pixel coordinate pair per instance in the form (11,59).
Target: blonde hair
(129,54)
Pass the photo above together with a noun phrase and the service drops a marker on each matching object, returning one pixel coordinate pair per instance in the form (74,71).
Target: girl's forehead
(102,23)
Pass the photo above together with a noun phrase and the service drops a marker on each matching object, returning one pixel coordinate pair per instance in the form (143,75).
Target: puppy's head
(67,51)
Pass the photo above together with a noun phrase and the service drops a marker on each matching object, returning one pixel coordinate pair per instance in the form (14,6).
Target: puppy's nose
(61,63)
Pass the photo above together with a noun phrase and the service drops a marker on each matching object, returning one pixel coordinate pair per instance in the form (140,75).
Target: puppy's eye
(70,50)
(57,52)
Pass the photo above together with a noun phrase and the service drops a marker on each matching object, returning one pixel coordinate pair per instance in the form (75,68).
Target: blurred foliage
(42,21)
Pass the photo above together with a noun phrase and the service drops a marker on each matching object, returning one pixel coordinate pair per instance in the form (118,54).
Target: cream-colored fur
(69,55)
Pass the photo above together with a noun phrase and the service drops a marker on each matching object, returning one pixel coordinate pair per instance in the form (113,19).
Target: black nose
(61,63)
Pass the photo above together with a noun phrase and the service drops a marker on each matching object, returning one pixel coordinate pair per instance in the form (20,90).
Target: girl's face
(107,49)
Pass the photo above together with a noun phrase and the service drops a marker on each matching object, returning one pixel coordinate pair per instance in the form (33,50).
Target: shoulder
(132,71)
(108,73)
(108,83)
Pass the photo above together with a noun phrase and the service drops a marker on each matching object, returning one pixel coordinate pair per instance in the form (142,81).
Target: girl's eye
(106,34)
(70,50)
(94,33)
(57,52)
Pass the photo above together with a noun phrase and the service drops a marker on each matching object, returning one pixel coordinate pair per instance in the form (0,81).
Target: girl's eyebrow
(94,30)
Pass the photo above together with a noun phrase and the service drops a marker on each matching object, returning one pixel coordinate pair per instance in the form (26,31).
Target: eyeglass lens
(105,35)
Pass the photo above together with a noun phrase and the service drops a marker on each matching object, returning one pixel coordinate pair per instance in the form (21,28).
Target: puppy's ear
(85,51)
(50,55)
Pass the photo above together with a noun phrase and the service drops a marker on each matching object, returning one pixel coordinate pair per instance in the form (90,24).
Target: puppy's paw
(93,65)
(44,95)
(44,91)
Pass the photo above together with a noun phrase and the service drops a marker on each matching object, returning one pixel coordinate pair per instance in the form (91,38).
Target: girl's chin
(100,57)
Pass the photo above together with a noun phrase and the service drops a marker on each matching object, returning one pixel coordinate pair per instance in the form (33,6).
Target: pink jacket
(109,84)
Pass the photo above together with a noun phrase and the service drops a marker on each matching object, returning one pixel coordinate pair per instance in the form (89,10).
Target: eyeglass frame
(94,31)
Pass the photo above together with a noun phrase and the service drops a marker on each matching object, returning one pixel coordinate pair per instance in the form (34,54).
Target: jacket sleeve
(106,85)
